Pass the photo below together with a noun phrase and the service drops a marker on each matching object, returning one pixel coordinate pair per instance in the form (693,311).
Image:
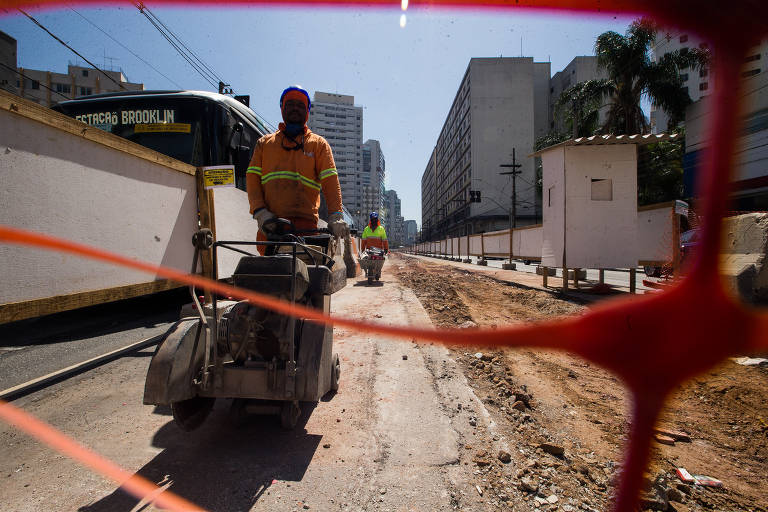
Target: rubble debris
(528,484)
(552,449)
(676,435)
(707,481)
(664,439)
(479,490)
(684,475)
(405,357)
(504,457)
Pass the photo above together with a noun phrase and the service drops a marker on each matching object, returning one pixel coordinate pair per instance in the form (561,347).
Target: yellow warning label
(163,127)
(219,176)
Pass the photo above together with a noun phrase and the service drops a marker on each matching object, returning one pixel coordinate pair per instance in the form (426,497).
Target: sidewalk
(530,280)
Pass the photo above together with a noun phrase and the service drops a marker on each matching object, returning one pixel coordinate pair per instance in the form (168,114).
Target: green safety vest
(379,232)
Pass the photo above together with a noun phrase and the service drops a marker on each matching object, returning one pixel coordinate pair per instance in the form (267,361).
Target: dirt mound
(553,399)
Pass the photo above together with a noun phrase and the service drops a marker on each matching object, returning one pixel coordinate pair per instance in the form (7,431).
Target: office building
(374,171)
(393,219)
(8,63)
(336,118)
(48,88)
(501,105)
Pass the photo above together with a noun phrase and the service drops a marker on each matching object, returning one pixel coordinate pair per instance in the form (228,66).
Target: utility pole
(514,172)
(512,214)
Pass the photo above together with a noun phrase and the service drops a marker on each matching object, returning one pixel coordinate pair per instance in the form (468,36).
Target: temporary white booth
(590,201)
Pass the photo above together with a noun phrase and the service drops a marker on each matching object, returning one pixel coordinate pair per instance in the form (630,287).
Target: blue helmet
(374,215)
(299,89)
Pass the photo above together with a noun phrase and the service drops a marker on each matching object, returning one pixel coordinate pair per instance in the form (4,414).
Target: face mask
(293,129)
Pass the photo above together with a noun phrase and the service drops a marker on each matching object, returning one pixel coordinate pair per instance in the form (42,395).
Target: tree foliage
(632,74)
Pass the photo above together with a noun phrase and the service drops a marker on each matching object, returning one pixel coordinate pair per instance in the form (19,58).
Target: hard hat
(298,95)
(374,215)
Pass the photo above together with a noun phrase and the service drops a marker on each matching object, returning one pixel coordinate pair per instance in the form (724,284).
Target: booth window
(602,189)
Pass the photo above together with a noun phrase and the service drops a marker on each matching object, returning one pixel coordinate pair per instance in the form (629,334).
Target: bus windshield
(173,126)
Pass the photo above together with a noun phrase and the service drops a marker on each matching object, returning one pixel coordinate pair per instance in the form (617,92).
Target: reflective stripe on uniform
(288,175)
(328,172)
(254,170)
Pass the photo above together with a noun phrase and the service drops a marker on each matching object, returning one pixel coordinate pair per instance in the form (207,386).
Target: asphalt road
(36,347)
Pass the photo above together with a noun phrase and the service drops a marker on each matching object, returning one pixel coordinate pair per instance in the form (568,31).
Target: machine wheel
(378,276)
(289,415)
(190,414)
(370,280)
(335,372)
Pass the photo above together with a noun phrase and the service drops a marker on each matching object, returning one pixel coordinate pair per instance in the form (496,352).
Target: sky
(405,77)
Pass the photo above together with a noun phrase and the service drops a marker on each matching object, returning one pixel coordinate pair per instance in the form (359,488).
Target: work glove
(262,215)
(337,226)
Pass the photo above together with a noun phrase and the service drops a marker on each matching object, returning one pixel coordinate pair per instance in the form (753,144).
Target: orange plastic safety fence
(652,343)
(132,483)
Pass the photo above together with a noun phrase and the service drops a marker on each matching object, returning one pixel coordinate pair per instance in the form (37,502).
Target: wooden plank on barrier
(205,206)
(15,311)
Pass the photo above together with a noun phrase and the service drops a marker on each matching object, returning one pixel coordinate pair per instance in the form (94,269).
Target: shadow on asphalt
(219,466)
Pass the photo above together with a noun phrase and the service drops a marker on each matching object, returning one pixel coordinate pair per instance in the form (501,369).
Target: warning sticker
(163,127)
(219,176)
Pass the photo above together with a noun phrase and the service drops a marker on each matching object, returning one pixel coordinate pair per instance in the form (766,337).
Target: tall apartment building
(48,88)
(411,231)
(580,69)
(8,63)
(340,121)
(374,172)
(501,104)
(394,223)
(700,83)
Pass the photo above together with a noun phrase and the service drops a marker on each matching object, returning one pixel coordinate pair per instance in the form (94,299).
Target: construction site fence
(656,240)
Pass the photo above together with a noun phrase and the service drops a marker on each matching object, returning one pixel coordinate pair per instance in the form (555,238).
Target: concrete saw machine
(267,362)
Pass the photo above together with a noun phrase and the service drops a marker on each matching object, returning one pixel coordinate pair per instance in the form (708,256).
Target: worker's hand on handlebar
(337,226)
(262,215)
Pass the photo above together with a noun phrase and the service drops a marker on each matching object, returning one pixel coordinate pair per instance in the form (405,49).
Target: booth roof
(604,140)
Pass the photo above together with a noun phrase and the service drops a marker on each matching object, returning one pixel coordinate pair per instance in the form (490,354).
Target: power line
(192,59)
(72,49)
(125,47)
(30,78)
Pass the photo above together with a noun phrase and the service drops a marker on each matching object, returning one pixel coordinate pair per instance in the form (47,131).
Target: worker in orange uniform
(288,170)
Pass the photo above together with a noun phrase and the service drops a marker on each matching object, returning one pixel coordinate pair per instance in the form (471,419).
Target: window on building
(751,72)
(602,189)
(684,77)
(85,91)
(35,84)
(684,38)
(752,58)
(549,195)
(703,72)
(703,86)
(85,72)
(65,88)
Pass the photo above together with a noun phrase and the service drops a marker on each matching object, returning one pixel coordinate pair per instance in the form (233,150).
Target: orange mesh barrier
(652,343)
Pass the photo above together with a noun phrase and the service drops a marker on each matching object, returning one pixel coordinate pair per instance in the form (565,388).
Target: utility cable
(125,47)
(197,64)
(72,49)
(179,50)
(30,78)
(189,50)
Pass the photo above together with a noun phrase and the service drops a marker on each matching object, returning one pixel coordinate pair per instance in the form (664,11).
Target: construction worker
(288,170)
(374,235)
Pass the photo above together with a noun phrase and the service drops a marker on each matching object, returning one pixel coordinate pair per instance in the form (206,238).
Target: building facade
(8,63)
(501,104)
(411,231)
(374,172)
(699,83)
(336,118)
(580,69)
(393,219)
(48,88)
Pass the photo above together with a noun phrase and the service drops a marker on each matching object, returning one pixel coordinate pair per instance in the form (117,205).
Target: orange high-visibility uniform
(288,182)
(374,237)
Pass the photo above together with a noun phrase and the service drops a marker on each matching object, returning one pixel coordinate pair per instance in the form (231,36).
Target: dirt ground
(568,417)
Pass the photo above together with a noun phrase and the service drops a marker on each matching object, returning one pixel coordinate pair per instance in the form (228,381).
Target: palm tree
(632,74)
(580,104)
